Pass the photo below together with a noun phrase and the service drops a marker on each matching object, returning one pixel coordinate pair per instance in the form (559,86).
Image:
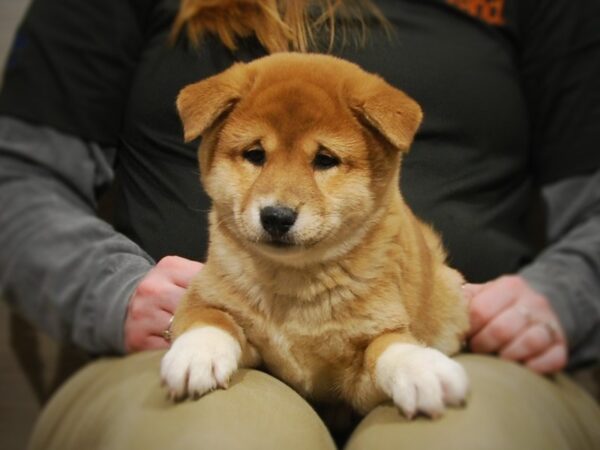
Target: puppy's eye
(324,160)
(255,155)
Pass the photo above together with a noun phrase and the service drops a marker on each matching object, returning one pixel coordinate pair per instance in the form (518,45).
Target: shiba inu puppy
(317,268)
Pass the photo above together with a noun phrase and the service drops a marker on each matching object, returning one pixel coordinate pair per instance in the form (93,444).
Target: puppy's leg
(415,377)
(208,348)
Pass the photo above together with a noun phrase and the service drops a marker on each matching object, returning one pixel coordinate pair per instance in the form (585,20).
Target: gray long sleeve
(63,268)
(568,271)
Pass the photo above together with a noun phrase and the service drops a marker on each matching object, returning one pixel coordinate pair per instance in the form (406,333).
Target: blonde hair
(279,25)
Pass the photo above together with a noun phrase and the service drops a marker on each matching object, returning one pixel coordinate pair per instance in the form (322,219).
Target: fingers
(143,333)
(179,270)
(161,324)
(511,319)
(471,290)
(154,301)
(500,331)
(488,302)
(155,291)
(169,280)
(533,341)
(158,288)
(551,361)
(170,298)
(156,343)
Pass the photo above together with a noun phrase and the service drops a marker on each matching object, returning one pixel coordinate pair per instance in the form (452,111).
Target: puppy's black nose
(277,220)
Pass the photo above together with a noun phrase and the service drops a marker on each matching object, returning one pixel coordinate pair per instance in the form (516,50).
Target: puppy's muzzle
(277,220)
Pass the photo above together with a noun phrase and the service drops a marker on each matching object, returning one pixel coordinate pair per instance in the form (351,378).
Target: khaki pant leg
(118,403)
(509,408)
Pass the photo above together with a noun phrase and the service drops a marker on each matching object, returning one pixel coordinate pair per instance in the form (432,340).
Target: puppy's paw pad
(420,379)
(200,361)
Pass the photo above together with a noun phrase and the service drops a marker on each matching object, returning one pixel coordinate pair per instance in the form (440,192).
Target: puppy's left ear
(202,103)
(389,110)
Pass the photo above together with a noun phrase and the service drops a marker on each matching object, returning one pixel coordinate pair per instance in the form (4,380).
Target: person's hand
(509,318)
(154,301)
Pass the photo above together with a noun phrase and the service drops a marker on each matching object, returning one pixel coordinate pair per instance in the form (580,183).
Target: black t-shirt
(510,90)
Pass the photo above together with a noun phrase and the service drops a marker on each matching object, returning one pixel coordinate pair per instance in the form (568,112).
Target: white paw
(199,361)
(421,379)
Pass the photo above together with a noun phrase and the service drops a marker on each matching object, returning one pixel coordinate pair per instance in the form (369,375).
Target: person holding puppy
(510,111)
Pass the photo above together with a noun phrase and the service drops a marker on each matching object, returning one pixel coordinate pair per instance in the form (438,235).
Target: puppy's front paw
(420,379)
(199,361)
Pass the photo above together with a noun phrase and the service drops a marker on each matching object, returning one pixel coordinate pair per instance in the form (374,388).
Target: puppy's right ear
(200,104)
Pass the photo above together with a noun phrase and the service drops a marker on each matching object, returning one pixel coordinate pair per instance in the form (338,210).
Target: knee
(120,404)
(507,408)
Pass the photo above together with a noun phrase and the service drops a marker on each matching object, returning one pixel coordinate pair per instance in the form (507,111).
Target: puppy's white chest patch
(284,357)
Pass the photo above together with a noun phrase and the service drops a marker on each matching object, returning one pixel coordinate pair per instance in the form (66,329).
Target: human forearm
(567,273)
(63,268)
(67,272)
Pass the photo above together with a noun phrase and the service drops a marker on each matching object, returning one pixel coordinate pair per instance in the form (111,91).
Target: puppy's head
(299,152)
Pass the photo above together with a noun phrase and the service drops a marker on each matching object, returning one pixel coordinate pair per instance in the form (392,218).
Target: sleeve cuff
(102,315)
(568,295)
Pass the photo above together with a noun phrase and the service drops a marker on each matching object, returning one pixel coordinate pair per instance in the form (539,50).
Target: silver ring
(166,334)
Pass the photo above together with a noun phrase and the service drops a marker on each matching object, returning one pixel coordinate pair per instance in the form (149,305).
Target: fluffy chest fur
(314,340)
(311,325)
